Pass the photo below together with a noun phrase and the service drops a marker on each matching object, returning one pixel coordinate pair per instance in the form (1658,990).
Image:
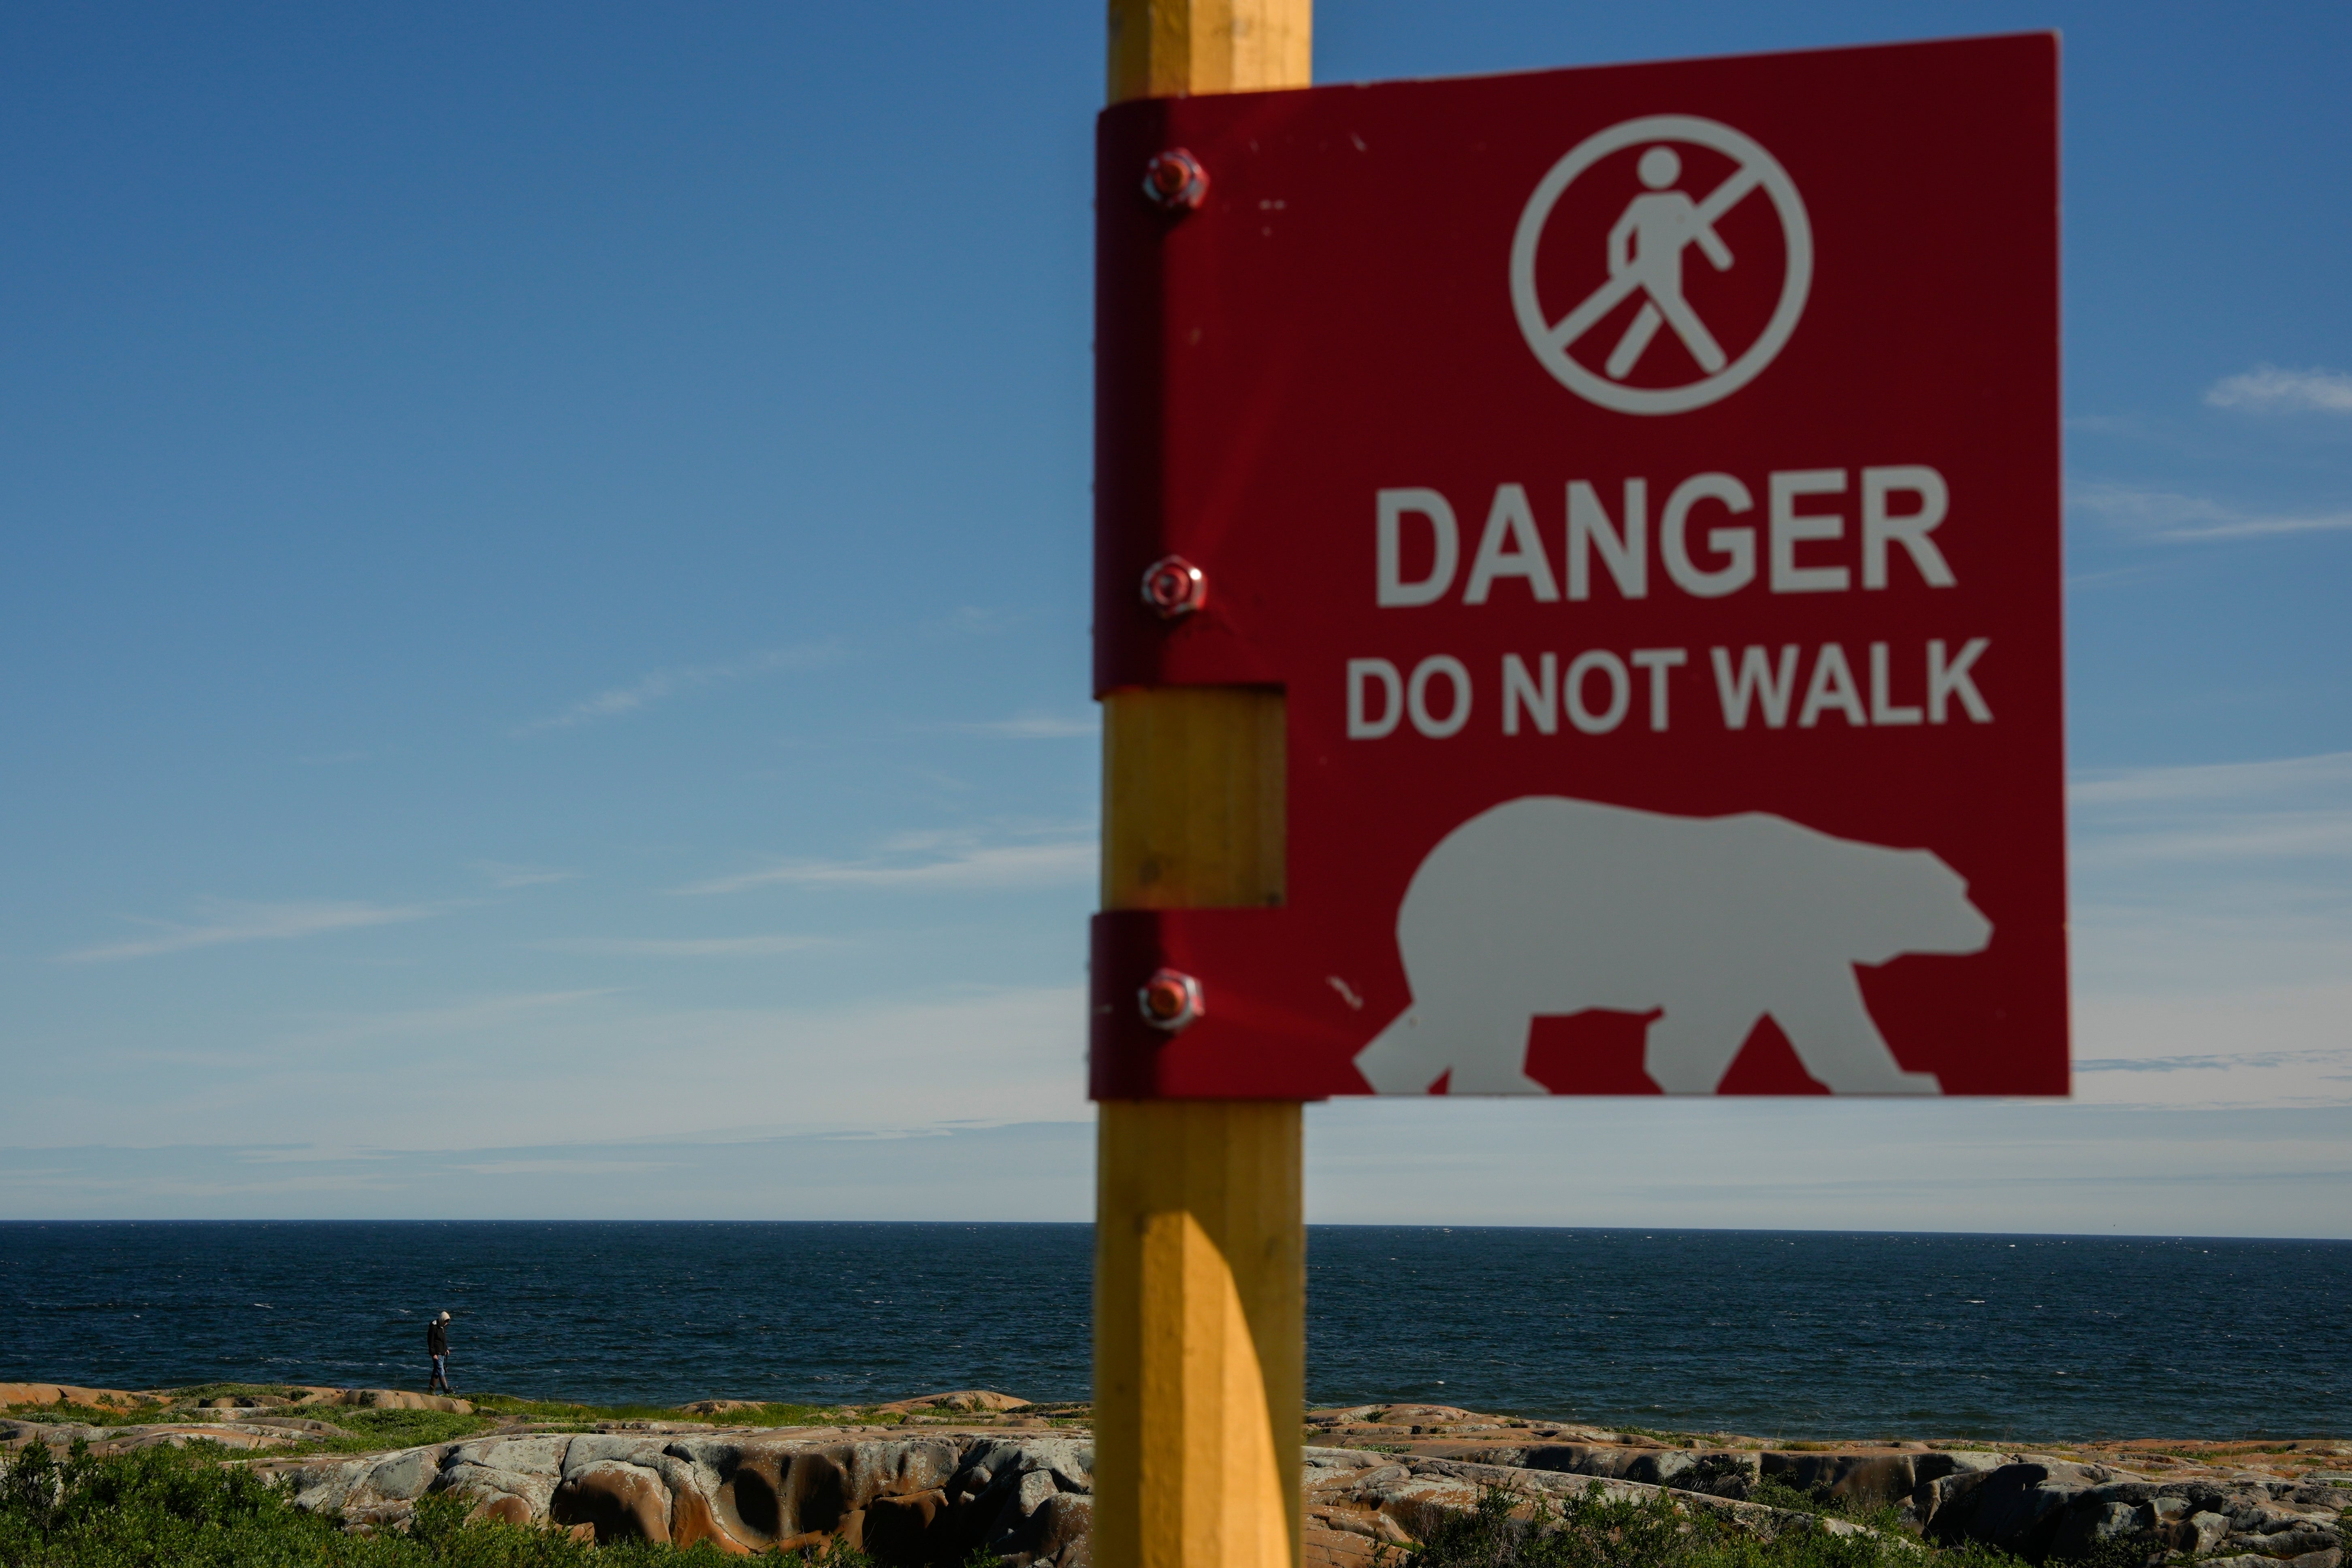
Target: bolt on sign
(1644,484)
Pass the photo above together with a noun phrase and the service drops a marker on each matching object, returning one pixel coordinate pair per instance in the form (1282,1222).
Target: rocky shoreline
(924,1482)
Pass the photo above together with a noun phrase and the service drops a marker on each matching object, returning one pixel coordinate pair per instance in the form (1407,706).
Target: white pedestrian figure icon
(1647,249)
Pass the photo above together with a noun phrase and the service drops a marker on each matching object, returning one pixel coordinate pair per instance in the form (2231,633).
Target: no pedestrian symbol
(1648,248)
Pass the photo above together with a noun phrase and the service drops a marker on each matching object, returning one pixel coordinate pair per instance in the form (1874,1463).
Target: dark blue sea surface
(1794,1334)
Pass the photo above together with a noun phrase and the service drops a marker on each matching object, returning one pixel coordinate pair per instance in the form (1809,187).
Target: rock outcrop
(2040,1509)
(2037,1508)
(297,1397)
(1865,1478)
(923,1482)
(383,1399)
(1356,1501)
(919,1503)
(70,1394)
(960,1401)
(263,1432)
(2034,1507)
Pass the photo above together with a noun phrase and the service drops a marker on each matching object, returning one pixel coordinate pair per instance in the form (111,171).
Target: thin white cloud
(2276,1046)
(2212,931)
(2269,389)
(228,922)
(504,876)
(939,780)
(1029,727)
(2106,424)
(480,1016)
(566,1167)
(2287,808)
(647,690)
(974,620)
(516,1074)
(2210,782)
(761,946)
(1056,864)
(2290,835)
(2168,516)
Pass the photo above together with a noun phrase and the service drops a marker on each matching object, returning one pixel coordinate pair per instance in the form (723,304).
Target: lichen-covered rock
(501,1508)
(70,1394)
(1414,1493)
(244,1437)
(529,1456)
(1061,1531)
(961,1400)
(1070,1462)
(2042,1509)
(404,1477)
(745,1494)
(622,1501)
(2329,1558)
(396,1399)
(929,1501)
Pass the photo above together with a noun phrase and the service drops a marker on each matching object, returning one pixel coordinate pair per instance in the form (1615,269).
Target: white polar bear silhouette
(1550,905)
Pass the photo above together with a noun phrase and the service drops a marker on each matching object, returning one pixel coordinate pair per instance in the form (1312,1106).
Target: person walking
(436,1345)
(1647,247)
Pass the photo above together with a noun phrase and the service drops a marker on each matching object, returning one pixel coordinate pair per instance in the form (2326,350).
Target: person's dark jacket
(437,1338)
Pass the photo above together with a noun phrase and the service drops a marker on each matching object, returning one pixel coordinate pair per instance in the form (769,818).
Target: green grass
(401,1429)
(371,1430)
(368,1431)
(167,1506)
(85,1414)
(774,1415)
(1774,1492)
(237,1390)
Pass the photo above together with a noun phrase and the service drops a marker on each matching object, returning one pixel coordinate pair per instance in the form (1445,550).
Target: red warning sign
(1643,482)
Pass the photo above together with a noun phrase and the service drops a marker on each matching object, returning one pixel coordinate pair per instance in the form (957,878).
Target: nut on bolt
(1173,586)
(1171,999)
(1175,179)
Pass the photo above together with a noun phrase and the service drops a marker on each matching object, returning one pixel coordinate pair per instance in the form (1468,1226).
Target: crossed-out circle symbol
(1552,340)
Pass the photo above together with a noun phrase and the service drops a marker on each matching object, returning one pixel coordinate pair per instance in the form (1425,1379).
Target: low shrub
(1509,1531)
(1774,1492)
(2138,1549)
(188,1510)
(1720,1475)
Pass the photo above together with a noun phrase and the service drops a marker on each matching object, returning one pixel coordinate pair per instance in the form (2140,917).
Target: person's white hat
(442,1318)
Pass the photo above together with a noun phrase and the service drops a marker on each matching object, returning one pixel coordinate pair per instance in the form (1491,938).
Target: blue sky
(543,593)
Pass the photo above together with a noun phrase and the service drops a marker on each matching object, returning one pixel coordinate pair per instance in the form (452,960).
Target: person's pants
(440,1371)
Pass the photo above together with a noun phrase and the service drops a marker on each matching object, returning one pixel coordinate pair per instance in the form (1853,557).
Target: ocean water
(1792,1334)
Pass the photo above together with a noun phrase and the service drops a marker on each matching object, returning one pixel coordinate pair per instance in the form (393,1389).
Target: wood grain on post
(1200,1233)
(1173,48)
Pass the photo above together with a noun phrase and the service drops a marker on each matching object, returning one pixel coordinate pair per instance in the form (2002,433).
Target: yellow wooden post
(1200,1235)
(1175,48)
